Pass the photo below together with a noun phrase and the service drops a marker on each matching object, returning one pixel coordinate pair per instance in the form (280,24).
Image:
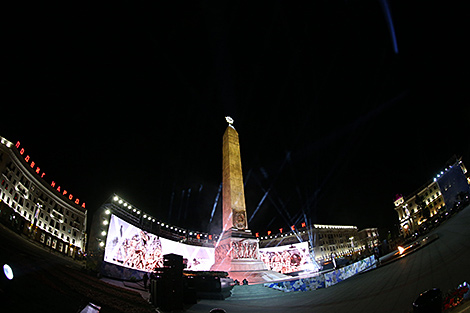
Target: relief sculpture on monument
(221,252)
(239,220)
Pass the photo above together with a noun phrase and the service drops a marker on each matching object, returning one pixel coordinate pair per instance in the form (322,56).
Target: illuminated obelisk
(237,251)
(233,194)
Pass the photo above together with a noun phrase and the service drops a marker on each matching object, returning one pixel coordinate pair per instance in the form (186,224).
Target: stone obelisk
(237,251)
(233,194)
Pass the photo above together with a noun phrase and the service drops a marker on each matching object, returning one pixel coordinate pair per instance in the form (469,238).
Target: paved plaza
(42,278)
(444,264)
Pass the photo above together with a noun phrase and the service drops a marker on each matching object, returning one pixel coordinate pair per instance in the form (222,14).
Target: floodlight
(8,271)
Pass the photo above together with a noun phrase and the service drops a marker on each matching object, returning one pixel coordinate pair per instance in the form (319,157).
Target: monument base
(258,277)
(238,254)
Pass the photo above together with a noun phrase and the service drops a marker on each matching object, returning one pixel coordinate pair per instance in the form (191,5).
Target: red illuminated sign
(27,158)
(38,171)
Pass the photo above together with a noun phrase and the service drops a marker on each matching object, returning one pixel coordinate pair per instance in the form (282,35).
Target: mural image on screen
(288,258)
(129,246)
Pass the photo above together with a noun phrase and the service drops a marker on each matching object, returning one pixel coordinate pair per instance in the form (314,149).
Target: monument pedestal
(238,254)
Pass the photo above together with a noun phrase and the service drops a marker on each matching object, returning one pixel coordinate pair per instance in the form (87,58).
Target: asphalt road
(49,282)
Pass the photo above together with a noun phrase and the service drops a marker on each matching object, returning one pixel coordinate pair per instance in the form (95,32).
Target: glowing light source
(101,244)
(115,198)
(103,233)
(105,222)
(107,212)
(8,271)
(401,249)
(229,120)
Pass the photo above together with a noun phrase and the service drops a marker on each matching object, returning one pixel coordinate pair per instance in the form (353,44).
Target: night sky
(334,120)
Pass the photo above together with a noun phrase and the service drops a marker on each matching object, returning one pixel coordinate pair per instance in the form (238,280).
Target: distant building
(327,241)
(368,238)
(434,200)
(38,207)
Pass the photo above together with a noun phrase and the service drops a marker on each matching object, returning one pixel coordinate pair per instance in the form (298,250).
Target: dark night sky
(131,98)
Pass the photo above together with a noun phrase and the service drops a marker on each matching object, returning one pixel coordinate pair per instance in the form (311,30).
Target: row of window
(50,242)
(334,248)
(52,226)
(18,198)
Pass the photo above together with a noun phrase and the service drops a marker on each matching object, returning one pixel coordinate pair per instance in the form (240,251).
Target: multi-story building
(368,238)
(36,206)
(327,241)
(434,200)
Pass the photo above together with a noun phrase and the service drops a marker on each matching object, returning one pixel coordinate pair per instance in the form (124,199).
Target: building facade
(35,206)
(432,202)
(327,242)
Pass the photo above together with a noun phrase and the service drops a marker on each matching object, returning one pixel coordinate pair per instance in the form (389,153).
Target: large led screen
(129,246)
(288,258)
